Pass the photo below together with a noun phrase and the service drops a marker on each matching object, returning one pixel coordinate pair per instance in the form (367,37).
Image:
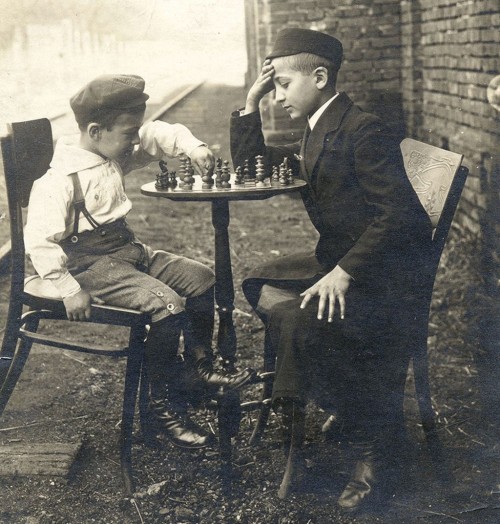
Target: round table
(220,198)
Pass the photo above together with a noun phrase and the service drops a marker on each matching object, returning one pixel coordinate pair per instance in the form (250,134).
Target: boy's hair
(306,63)
(107,117)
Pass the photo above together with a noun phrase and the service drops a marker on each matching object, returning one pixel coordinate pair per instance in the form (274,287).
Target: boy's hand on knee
(78,306)
(263,85)
(331,288)
(202,160)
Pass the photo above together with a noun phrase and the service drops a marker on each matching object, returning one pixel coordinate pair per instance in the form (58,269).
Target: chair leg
(13,356)
(294,428)
(423,392)
(229,418)
(132,377)
(267,389)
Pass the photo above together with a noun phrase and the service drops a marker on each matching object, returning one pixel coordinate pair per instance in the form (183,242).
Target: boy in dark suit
(343,313)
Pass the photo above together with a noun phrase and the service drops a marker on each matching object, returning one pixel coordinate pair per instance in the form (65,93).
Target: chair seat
(41,288)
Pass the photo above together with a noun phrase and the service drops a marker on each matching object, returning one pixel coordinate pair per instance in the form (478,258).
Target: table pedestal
(224,288)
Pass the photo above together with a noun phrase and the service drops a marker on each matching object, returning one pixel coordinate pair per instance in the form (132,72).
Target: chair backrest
(27,150)
(438,178)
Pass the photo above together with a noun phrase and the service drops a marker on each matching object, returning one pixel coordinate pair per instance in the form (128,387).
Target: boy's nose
(280,96)
(136,140)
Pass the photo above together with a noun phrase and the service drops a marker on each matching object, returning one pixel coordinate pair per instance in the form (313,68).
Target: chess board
(245,183)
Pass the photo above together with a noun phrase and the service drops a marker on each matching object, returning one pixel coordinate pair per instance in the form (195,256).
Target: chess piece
(259,171)
(283,177)
(189,178)
(239,177)
(226,176)
(162,178)
(218,173)
(172,179)
(275,177)
(207,180)
(182,172)
(247,177)
(290,176)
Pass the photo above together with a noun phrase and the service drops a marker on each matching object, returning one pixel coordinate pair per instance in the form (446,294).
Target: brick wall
(424,64)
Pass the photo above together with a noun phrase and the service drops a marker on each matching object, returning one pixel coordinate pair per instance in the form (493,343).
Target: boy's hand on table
(78,306)
(331,288)
(202,160)
(262,85)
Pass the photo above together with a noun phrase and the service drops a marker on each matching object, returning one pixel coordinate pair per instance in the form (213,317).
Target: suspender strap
(79,206)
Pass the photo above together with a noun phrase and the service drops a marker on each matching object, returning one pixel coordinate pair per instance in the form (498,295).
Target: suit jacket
(358,197)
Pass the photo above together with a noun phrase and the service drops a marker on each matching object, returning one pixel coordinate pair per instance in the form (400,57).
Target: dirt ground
(68,397)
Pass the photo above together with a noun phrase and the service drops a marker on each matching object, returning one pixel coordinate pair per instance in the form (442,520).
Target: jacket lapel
(305,138)
(328,122)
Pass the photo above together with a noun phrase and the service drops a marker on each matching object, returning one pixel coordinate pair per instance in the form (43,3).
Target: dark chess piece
(162,178)
(225,176)
(207,180)
(218,173)
(248,180)
(283,175)
(238,181)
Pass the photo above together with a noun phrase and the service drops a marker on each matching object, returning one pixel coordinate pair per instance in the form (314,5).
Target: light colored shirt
(317,114)
(50,213)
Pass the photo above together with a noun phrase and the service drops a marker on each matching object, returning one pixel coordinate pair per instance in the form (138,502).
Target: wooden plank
(47,458)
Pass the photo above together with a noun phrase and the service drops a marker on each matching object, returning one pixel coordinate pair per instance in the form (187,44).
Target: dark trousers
(356,366)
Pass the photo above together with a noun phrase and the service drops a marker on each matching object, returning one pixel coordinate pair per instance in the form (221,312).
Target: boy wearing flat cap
(342,314)
(78,238)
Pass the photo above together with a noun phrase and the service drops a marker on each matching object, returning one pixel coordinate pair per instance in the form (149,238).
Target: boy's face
(118,142)
(297,92)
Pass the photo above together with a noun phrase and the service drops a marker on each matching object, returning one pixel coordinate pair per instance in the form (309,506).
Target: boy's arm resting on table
(161,140)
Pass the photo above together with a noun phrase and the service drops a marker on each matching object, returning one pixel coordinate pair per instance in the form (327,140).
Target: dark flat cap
(293,41)
(108,92)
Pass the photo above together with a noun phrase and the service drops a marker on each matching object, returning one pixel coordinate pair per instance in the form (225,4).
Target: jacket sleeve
(247,141)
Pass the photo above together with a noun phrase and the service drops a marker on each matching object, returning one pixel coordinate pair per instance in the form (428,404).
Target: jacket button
(170,307)
(159,293)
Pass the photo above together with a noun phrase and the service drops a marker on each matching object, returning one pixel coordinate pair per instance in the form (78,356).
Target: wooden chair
(438,179)
(27,150)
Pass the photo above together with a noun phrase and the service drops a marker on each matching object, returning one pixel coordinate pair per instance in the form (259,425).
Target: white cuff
(67,285)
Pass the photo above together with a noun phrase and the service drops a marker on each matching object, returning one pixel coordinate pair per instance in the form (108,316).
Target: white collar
(314,119)
(69,157)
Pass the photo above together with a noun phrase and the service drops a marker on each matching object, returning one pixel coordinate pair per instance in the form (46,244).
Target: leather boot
(168,402)
(222,378)
(172,420)
(198,334)
(365,488)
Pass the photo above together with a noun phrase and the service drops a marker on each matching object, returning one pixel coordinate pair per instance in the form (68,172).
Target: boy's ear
(321,77)
(94,131)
